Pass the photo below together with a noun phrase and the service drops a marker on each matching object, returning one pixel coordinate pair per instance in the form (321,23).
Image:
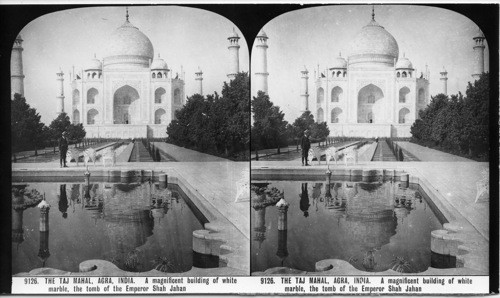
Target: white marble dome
(94,64)
(373,46)
(128,47)
(404,63)
(339,62)
(159,64)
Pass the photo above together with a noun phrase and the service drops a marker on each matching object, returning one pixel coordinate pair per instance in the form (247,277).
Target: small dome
(339,62)
(128,46)
(159,64)
(262,34)
(94,64)
(373,45)
(404,63)
(234,34)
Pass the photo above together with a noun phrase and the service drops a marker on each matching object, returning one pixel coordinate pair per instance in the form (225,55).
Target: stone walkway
(186,155)
(428,154)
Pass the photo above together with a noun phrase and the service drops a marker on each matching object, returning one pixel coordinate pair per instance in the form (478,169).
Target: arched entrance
(92,116)
(320,116)
(125,105)
(370,104)
(335,115)
(76,117)
(403,94)
(160,116)
(404,116)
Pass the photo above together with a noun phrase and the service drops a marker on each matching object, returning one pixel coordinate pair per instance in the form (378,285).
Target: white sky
(183,36)
(309,36)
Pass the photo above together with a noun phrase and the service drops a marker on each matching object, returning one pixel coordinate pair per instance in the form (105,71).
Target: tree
(304,122)
(214,124)
(27,130)
(319,131)
(457,124)
(269,128)
(76,132)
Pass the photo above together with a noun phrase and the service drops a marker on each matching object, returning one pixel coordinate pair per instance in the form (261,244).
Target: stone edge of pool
(219,237)
(457,238)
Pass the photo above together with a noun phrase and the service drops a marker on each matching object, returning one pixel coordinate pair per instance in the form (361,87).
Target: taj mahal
(375,92)
(130,93)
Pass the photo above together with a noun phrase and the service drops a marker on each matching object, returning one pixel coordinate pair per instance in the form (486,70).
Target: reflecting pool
(137,226)
(374,226)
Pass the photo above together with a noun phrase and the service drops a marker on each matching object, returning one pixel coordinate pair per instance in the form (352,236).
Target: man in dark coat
(63,149)
(305,145)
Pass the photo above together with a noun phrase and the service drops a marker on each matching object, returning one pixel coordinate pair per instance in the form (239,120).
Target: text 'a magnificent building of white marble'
(130,93)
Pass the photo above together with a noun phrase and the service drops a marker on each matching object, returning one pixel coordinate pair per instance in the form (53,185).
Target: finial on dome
(95,57)
(373,12)
(126,8)
(158,55)
(340,54)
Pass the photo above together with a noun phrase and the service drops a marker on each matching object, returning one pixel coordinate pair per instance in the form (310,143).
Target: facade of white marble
(372,93)
(129,94)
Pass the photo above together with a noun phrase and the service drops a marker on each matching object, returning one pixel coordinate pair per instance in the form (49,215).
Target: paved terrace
(215,179)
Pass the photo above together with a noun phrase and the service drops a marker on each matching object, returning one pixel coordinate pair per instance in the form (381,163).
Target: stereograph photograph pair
(191,149)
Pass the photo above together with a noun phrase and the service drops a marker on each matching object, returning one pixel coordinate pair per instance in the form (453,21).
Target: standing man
(305,145)
(63,149)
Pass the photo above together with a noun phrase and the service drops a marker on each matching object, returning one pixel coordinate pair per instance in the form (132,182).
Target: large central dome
(373,46)
(128,47)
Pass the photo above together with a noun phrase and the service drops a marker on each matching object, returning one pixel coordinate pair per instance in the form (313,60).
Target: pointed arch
(92,116)
(160,116)
(337,93)
(177,96)
(421,95)
(368,97)
(320,99)
(125,100)
(160,95)
(404,116)
(320,116)
(335,115)
(76,116)
(76,97)
(403,94)
(92,95)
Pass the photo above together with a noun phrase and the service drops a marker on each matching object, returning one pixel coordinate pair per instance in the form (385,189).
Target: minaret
(261,73)
(60,97)
(304,94)
(478,55)
(16,68)
(234,48)
(444,79)
(199,78)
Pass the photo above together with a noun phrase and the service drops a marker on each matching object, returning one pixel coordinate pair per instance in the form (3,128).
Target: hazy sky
(183,36)
(312,36)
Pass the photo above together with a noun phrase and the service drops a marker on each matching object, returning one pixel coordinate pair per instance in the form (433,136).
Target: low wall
(370,130)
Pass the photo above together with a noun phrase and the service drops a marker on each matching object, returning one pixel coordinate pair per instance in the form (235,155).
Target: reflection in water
(374,226)
(137,226)
(304,200)
(63,200)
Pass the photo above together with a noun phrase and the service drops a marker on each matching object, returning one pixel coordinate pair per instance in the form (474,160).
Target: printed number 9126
(267,280)
(31,281)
